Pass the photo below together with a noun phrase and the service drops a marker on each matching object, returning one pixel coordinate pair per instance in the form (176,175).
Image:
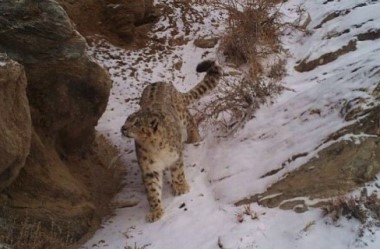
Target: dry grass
(247,211)
(238,99)
(34,227)
(136,247)
(30,234)
(365,208)
(349,207)
(253,45)
(254,31)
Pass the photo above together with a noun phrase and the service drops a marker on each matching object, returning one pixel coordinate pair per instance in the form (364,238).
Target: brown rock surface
(64,187)
(124,16)
(15,121)
(67,90)
(56,203)
(37,30)
(116,20)
(340,168)
(67,99)
(206,42)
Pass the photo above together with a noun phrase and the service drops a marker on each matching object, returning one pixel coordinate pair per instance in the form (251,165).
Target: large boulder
(56,185)
(67,90)
(118,21)
(34,30)
(67,97)
(54,203)
(15,121)
(123,17)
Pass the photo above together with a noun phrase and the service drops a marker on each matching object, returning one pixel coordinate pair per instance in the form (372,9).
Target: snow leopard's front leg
(179,183)
(153,184)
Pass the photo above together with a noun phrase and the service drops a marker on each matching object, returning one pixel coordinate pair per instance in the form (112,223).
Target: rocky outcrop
(62,182)
(124,17)
(67,97)
(118,21)
(15,121)
(32,31)
(67,90)
(341,167)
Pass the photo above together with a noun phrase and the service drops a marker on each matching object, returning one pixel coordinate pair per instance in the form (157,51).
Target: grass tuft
(30,234)
(364,208)
(251,45)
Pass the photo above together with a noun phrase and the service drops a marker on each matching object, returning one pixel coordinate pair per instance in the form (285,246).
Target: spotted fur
(160,128)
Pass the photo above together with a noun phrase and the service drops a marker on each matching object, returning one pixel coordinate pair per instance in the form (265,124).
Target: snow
(224,170)
(3,59)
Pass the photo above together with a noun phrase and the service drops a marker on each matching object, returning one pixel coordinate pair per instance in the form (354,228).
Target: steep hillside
(317,140)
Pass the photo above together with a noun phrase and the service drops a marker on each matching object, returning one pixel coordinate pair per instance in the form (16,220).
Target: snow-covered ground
(222,171)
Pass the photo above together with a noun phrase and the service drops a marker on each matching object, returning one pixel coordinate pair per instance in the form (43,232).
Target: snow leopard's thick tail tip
(205,66)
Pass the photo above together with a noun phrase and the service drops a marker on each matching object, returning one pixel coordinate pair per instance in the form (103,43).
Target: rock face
(35,30)
(61,178)
(67,97)
(67,90)
(340,168)
(124,16)
(119,21)
(15,121)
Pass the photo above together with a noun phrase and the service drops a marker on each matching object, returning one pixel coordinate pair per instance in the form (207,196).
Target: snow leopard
(161,127)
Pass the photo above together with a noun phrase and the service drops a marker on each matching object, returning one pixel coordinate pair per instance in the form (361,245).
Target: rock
(15,120)
(339,168)
(305,65)
(206,42)
(67,99)
(63,200)
(35,30)
(353,109)
(139,11)
(297,206)
(117,21)
(122,17)
(62,183)
(67,90)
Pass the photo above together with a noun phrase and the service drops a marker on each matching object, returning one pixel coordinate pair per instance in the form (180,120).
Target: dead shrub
(365,208)
(34,227)
(252,44)
(136,247)
(237,100)
(253,32)
(31,234)
(349,207)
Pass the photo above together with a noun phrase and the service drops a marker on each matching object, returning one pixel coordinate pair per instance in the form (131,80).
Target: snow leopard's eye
(137,123)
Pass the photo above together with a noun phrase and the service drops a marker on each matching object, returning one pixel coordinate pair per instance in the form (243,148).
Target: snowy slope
(224,170)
